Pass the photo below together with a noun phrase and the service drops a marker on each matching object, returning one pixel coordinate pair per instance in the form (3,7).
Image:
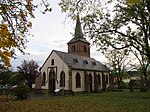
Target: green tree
(144,64)
(5,74)
(15,24)
(133,1)
(15,79)
(28,71)
(115,23)
(118,60)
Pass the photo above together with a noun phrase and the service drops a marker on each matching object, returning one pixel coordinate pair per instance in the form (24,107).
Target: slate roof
(81,62)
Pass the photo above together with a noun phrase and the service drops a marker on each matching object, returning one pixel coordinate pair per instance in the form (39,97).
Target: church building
(75,70)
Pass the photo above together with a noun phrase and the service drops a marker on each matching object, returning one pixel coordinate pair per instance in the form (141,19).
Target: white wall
(74,72)
(60,66)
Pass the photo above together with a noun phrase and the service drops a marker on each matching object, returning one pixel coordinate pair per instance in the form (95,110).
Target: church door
(52,80)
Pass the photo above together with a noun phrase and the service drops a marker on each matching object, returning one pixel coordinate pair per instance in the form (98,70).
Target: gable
(52,60)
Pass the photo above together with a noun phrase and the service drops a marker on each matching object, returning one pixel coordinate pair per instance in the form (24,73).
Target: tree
(9,77)
(143,61)
(15,79)
(118,60)
(5,74)
(133,1)
(15,23)
(115,23)
(28,71)
(143,70)
(128,28)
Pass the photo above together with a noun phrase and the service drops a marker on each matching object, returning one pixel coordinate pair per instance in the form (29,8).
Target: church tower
(79,45)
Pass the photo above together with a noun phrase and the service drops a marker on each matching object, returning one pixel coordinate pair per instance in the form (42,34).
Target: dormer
(75,60)
(85,61)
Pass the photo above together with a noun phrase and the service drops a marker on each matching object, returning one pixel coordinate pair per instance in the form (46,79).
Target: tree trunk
(118,83)
(144,85)
(145,71)
(145,75)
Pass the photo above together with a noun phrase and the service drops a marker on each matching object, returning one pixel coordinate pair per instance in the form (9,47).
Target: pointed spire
(78,29)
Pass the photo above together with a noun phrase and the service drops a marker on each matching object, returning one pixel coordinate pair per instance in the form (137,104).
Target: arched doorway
(52,80)
(90,83)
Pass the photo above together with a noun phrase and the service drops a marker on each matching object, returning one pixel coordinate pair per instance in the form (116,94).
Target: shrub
(122,85)
(21,91)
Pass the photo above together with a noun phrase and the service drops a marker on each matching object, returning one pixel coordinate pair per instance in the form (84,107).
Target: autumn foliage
(15,23)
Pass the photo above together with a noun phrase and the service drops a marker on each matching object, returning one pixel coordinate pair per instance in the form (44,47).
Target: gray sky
(51,32)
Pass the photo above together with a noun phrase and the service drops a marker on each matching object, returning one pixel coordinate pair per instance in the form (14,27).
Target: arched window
(99,79)
(52,62)
(62,79)
(78,80)
(44,79)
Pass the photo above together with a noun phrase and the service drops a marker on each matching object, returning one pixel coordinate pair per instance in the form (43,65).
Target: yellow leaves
(29,24)
(29,7)
(15,23)
(6,39)
(6,42)
(22,15)
(5,55)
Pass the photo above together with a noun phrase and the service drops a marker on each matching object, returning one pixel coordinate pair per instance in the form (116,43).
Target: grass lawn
(102,102)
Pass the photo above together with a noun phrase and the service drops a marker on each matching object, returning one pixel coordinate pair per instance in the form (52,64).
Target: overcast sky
(51,32)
